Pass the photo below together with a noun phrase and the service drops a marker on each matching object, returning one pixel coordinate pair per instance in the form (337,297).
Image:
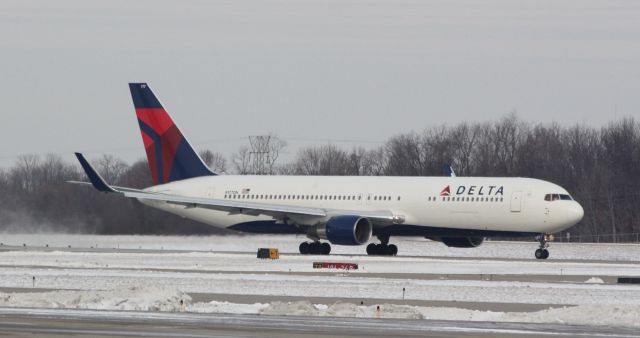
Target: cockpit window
(557,197)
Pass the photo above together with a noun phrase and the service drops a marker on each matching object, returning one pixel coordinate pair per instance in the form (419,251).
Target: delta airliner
(339,210)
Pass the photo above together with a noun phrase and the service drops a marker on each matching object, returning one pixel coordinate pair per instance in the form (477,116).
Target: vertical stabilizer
(171,157)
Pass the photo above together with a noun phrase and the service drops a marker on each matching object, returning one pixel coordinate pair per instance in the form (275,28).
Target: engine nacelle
(462,242)
(346,230)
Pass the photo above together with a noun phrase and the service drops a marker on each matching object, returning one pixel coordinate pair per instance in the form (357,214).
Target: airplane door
(516,201)
(211,192)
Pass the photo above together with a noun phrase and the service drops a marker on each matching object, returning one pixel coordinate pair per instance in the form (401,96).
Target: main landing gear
(315,248)
(382,249)
(542,252)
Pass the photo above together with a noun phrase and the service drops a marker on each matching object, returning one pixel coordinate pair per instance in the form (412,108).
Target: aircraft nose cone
(576,212)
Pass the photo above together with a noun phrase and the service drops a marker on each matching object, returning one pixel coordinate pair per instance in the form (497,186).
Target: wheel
(371,249)
(305,248)
(325,248)
(392,250)
(381,249)
(539,254)
(545,254)
(315,248)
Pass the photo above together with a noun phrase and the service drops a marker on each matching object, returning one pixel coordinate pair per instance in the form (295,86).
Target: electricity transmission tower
(260,154)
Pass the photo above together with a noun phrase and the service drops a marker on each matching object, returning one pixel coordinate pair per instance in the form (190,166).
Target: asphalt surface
(89,323)
(5,247)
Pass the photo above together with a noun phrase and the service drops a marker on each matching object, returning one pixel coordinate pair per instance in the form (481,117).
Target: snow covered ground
(156,279)
(168,300)
(289,244)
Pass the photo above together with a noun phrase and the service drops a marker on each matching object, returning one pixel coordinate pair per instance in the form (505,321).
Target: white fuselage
(473,203)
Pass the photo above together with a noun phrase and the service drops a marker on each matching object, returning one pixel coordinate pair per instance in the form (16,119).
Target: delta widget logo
(445,191)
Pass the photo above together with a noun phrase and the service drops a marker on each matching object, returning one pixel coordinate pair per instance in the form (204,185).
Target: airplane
(340,210)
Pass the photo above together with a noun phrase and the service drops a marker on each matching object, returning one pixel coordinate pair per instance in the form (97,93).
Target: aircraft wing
(233,207)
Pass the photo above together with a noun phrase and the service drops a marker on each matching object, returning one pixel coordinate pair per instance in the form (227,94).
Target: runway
(62,323)
(158,286)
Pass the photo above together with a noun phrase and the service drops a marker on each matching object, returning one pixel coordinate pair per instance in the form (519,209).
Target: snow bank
(147,298)
(152,298)
(340,309)
(226,307)
(301,308)
(594,280)
(612,315)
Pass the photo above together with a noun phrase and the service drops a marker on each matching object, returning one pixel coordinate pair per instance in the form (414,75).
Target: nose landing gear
(542,252)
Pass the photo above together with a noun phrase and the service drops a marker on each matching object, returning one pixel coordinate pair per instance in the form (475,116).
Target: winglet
(96,180)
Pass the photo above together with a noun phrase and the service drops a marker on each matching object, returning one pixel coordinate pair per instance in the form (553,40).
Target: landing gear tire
(542,252)
(381,250)
(314,248)
(393,250)
(371,249)
(325,248)
(305,248)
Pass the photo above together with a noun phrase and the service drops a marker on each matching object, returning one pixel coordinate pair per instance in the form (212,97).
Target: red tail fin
(171,157)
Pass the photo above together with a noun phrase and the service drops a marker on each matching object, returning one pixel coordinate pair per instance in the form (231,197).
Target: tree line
(600,167)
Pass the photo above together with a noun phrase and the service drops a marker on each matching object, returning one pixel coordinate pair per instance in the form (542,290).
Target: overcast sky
(309,71)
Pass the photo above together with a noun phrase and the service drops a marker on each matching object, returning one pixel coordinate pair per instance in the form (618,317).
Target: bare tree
(214,160)
(599,166)
(242,161)
(110,167)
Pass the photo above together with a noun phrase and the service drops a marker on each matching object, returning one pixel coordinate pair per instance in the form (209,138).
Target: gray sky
(309,71)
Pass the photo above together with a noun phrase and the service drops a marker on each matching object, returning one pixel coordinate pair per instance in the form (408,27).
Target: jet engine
(462,242)
(345,230)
